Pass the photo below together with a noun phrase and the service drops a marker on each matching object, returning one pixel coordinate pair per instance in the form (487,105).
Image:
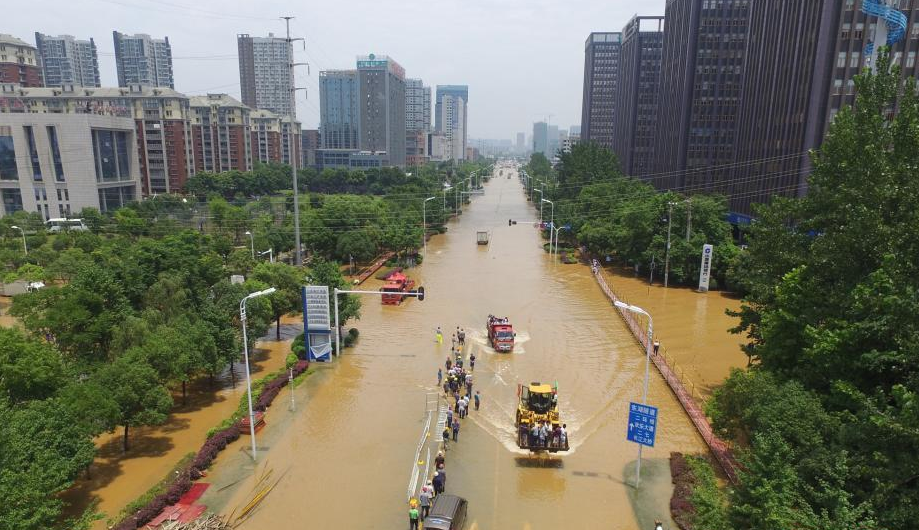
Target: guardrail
(722,453)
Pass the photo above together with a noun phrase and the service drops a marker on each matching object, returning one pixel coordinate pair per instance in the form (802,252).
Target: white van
(61,224)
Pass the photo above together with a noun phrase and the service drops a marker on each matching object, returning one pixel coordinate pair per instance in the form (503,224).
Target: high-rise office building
(820,48)
(143,60)
(451,115)
(601,85)
(636,104)
(265,78)
(309,144)
(521,142)
(19,62)
(701,80)
(339,114)
(68,61)
(382,107)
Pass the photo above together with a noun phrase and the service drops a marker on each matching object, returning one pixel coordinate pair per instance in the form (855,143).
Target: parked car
(447,513)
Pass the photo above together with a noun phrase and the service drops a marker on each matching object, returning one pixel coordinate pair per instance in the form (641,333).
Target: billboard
(317,332)
(706,270)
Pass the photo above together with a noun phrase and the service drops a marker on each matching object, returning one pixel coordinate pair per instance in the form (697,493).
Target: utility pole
(298,249)
(667,255)
(688,218)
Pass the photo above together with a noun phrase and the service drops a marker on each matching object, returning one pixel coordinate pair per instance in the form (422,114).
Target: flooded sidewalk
(117,478)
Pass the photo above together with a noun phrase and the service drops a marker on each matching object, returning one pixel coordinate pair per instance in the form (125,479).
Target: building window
(837,86)
(897,59)
(911,59)
(914,32)
(841,60)
(12,200)
(56,154)
(8,169)
(853,60)
(859,30)
(850,4)
(110,149)
(850,86)
(33,152)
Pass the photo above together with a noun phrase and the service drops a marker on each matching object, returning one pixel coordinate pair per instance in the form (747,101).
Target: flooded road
(345,457)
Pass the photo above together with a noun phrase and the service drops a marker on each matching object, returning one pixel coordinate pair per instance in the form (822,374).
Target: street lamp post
(551,220)
(270,253)
(644,395)
(540,204)
(424,224)
(251,243)
(25,246)
(242,318)
(667,255)
(556,238)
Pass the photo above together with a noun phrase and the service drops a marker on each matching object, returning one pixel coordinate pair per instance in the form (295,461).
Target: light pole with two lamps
(644,395)
(242,318)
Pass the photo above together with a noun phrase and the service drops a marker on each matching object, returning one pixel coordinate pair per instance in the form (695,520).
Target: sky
(522,59)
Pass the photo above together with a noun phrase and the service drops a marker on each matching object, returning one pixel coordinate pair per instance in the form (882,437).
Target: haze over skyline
(523,60)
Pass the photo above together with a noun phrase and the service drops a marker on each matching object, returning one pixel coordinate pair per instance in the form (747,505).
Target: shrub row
(681,509)
(205,456)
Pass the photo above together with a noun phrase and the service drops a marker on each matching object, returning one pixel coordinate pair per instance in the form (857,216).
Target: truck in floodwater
(500,334)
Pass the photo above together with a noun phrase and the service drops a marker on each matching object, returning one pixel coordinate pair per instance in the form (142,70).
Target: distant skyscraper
(382,107)
(265,78)
(701,79)
(541,138)
(19,62)
(452,104)
(521,142)
(68,61)
(339,113)
(639,83)
(142,60)
(601,85)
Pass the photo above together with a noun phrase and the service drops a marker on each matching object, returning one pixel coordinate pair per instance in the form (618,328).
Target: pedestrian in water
(439,482)
(424,498)
(439,336)
(462,337)
(462,408)
(453,341)
(413,518)
(468,384)
(471,362)
(449,417)
(440,376)
(455,429)
(476,400)
(446,435)
(449,363)
(439,460)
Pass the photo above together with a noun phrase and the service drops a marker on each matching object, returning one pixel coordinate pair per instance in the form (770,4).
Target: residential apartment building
(66,60)
(310,141)
(265,131)
(220,133)
(635,127)
(19,62)
(382,107)
(161,117)
(541,138)
(601,86)
(451,118)
(701,79)
(417,121)
(58,164)
(143,60)
(265,75)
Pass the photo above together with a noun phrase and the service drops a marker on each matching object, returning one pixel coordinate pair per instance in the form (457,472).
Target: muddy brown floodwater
(344,458)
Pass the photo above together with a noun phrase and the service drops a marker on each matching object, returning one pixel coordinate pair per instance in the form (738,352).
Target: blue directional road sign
(642,424)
